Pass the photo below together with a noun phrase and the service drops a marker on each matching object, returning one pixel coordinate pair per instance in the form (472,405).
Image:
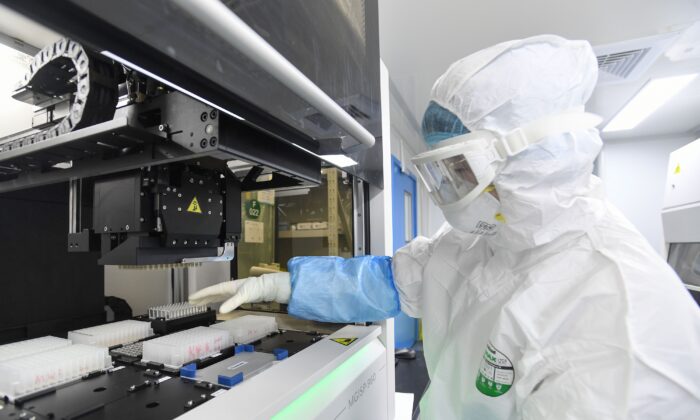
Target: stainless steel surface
(239,35)
(227,253)
(248,363)
(179,281)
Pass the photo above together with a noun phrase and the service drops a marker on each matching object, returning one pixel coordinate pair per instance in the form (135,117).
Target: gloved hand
(273,287)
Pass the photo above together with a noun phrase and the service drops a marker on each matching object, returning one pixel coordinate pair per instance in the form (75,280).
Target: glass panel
(685,260)
(461,174)
(407,216)
(281,224)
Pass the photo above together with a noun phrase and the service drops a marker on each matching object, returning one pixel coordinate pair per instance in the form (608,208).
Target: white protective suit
(566,312)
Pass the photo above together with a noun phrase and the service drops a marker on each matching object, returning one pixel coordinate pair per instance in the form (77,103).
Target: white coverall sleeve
(407,267)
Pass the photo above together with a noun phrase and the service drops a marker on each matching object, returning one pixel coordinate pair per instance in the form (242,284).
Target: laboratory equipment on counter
(286,374)
(681,215)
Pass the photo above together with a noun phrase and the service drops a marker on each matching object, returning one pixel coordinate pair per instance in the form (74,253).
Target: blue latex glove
(335,289)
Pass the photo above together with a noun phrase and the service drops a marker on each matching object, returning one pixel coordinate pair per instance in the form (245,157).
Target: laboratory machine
(167,136)
(681,215)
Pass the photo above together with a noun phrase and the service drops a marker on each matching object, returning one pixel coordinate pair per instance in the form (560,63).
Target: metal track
(65,68)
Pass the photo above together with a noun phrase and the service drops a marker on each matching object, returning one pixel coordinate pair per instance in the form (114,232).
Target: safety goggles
(466,165)
(457,170)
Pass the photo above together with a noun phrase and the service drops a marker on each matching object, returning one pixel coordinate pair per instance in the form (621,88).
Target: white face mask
(478,217)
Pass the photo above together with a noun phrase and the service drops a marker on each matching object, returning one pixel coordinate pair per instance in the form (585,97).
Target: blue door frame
(403,194)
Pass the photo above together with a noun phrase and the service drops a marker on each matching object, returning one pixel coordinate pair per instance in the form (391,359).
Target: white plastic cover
(248,328)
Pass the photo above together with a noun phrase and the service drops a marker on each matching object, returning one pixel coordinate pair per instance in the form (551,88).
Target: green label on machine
(496,373)
(252,209)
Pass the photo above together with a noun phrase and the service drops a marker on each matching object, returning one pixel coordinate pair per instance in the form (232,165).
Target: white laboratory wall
(634,175)
(14,115)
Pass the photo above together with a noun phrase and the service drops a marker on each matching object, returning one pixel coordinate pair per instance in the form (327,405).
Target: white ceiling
(420,39)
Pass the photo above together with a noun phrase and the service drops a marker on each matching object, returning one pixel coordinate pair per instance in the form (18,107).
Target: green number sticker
(252,209)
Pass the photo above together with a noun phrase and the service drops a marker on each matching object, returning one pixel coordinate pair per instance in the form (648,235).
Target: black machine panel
(38,276)
(165,214)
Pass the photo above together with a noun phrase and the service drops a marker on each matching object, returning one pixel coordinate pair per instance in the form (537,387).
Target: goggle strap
(517,140)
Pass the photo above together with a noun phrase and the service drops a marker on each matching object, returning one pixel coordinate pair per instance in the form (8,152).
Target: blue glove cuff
(335,289)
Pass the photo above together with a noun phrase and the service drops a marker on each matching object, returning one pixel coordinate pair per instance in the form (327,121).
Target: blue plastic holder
(230,381)
(243,348)
(189,371)
(280,354)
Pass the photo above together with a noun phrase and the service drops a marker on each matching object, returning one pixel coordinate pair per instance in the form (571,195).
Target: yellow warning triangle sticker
(678,169)
(345,341)
(194,206)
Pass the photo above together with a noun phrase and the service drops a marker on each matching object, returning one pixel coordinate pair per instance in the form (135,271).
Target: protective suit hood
(547,190)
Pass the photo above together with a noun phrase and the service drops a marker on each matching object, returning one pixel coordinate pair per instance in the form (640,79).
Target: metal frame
(98,150)
(332,191)
(359,211)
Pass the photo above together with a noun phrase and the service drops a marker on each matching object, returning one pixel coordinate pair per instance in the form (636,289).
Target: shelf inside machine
(169,128)
(110,137)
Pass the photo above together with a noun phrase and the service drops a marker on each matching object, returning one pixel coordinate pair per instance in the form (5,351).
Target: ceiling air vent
(628,60)
(622,63)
